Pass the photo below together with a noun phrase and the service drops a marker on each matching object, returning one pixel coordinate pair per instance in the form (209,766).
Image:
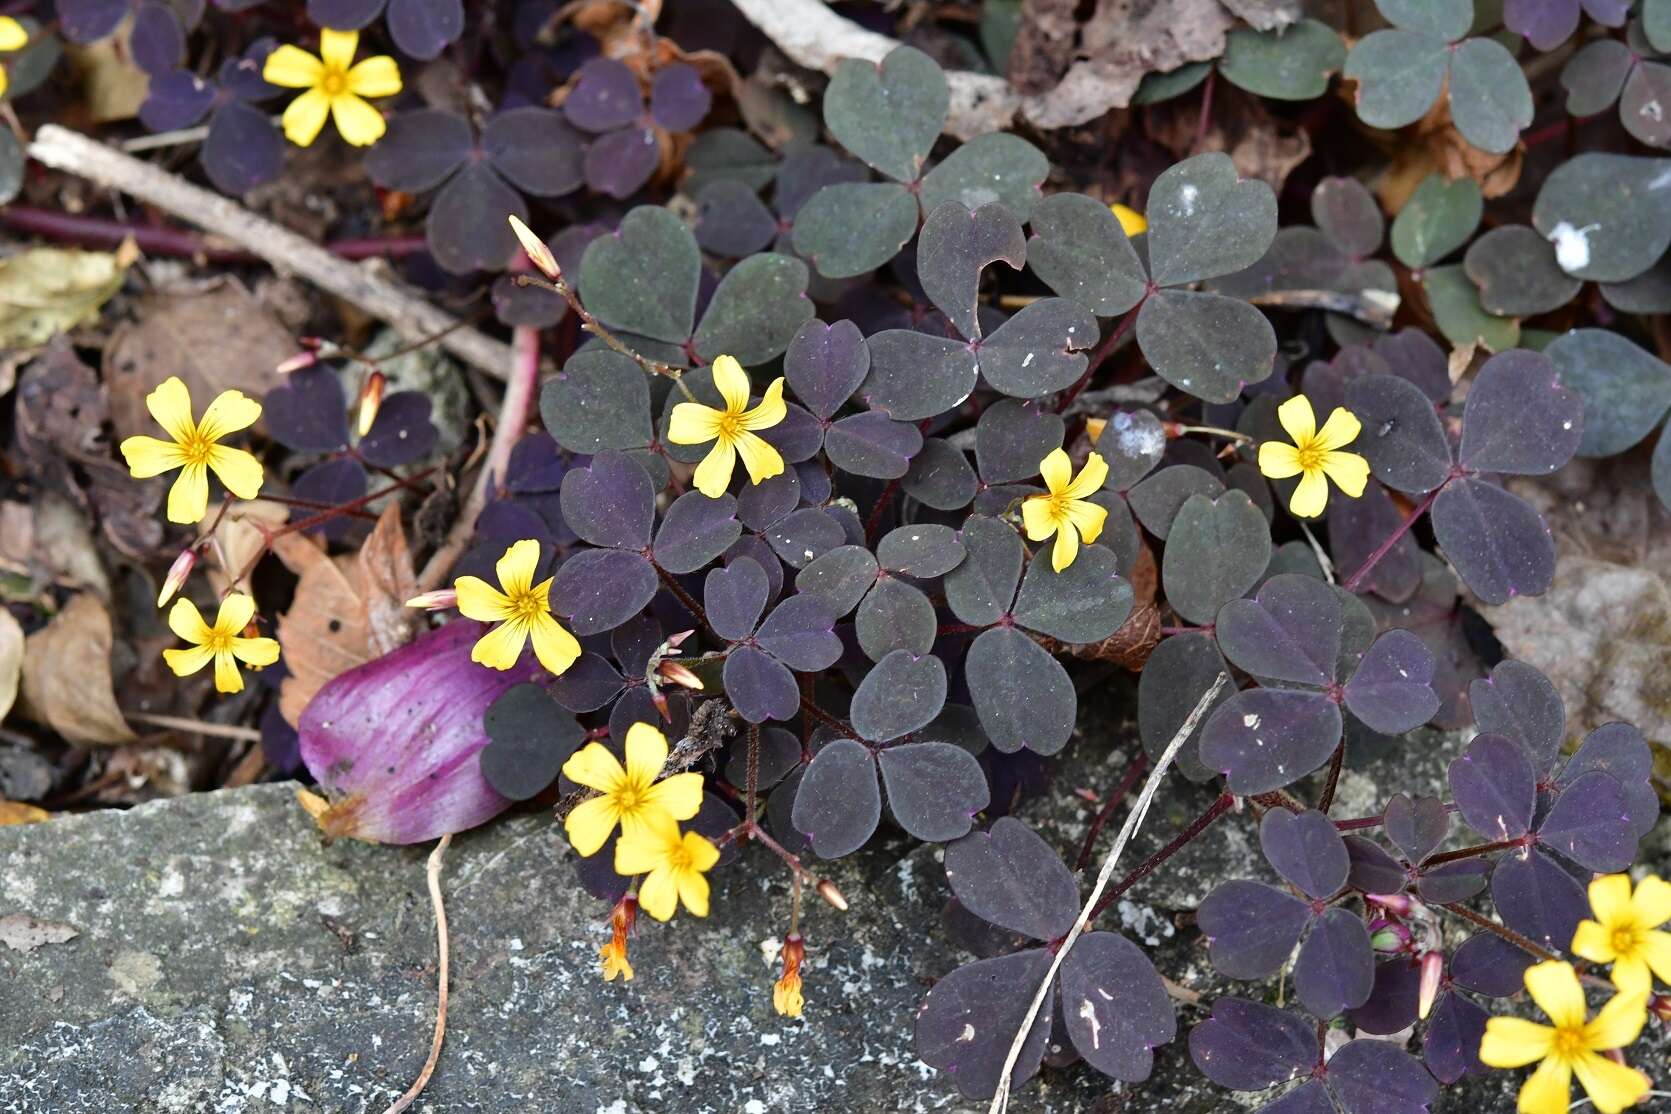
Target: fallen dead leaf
(66,676)
(23,933)
(240,536)
(11,660)
(1261,145)
(114,87)
(17,536)
(45,291)
(347,610)
(213,335)
(16,812)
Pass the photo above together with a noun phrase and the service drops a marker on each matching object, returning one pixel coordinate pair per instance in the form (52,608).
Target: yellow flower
(1571,1045)
(1314,455)
(731,430)
(522,610)
(1066,510)
(630,795)
(1626,931)
(786,992)
(224,643)
(336,85)
(672,864)
(194,449)
(1131,221)
(614,953)
(13,36)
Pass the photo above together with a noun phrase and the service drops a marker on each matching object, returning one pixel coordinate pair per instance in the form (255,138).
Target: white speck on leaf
(1572,245)
(1088,1013)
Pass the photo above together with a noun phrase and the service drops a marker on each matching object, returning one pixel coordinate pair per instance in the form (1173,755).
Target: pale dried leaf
(11,660)
(66,676)
(23,933)
(44,291)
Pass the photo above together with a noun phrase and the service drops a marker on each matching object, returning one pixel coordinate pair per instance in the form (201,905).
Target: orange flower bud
(371,398)
(177,574)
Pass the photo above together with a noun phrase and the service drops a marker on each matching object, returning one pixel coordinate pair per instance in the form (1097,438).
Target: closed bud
(1433,971)
(371,399)
(307,357)
(1660,1006)
(439,600)
(1391,938)
(536,251)
(827,890)
(177,573)
(673,673)
(1397,904)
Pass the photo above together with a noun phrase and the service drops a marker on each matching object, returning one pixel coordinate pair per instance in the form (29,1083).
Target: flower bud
(1397,904)
(1094,428)
(1660,1006)
(1385,936)
(536,251)
(371,399)
(673,673)
(439,600)
(177,573)
(827,890)
(1433,971)
(614,953)
(786,992)
(307,357)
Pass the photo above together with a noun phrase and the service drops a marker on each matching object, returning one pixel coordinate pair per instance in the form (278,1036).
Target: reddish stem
(1473,852)
(1201,823)
(1385,547)
(1103,351)
(1138,765)
(1504,931)
(1333,782)
(154,239)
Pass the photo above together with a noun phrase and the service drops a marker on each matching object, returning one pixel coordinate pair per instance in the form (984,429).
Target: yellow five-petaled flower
(195,448)
(13,36)
(732,430)
(224,643)
(336,85)
(673,866)
(1066,510)
(1572,1045)
(1626,931)
(628,795)
(1315,454)
(522,610)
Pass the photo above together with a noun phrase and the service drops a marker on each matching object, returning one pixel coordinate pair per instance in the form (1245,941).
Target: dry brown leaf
(114,87)
(11,660)
(16,812)
(240,537)
(66,676)
(45,291)
(213,335)
(17,536)
(23,933)
(347,610)
(1261,145)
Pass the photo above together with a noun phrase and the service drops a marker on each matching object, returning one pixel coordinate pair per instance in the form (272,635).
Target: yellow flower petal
(1298,420)
(1610,899)
(235,613)
(1278,461)
(230,412)
(1340,430)
(1652,901)
(646,754)
(644,850)
(515,567)
(1631,975)
(477,599)
(588,825)
(255,651)
(759,458)
(771,410)
(658,894)
(1065,549)
(5,82)
(336,48)
(359,123)
(595,768)
(1593,942)
(305,117)
(693,889)
(1311,496)
(1038,517)
(1512,1042)
(170,405)
(147,456)
(1656,952)
(1554,987)
(732,383)
(227,677)
(375,77)
(703,853)
(187,622)
(1547,1090)
(188,499)
(680,796)
(1611,1085)
(1090,478)
(188,661)
(238,470)
(1057,471)
(1619,1022)
(555,647)
(713,475)
(293,68)
(500,647)
(13,36)
(1349,471)
(1088,518)
(693,424)
(1132,223)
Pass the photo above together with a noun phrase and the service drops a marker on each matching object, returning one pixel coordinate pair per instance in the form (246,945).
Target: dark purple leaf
(332,483)
(242,150)
(1335,970)
(309,412)
(344,15)
(1009,876)
(156,39)
(955,246)
(807,169)
(1499,545)
(732,220)
(1402,438)
(1157,500)
(1264,739)
(1348,214)
(618,164)
(1590,823)
(466,227)
(1412,354)
(1451,882)
(678,99)
(840,577)
(920,550)
(1417,826)
(971,1016)
(900,694)
(1392,689)
(735,598)
(419,150)
(241,76)
(423,28)
(588,684)
(1311,1097)
(1290,631)
(600,400)
(838,804)
(599,589)
(1132,443)
(535,151)
(940,477)
(1538,899)
(1357,528)
(759,505)
(1546,24)
(1174,678)
(915,376)
(1248,1046)
(800,632)
(981,589)
(872,444)
(780,753)
(1084,603)
(1518,417)
(1251,928)
(1039,350)
(529,739)
(1373,870)
(760,686)
(825,364)
(934,789)
(895,616)
(1620,749)
(1022,694)
(1080,251)
(1489,965)
(610,502)
(799,436)
(1012,439)
(761,554)
(1394,1001)
(177,99)
(1305,849)
(401,432)
(1495,787)
(1114,1005)
(694,531)
(1216,550)
(86,21)
(1378,1077)
(605,97)
(1451,1043)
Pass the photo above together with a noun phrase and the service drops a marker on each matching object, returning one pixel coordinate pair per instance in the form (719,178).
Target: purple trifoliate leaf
(1518,418)
(1009,876)
(966,1024)
(1264,739)
(1392,689)
(1251,928)
(1305,849)
(1378,1077)
(1538,899)
(1248,1046)
(759,686)
(1289,632)
(1114,1005)
(934,789)
(1494,787)
(735,598)
(838,804)
(1335,970)
(1520,702)
(1590,823)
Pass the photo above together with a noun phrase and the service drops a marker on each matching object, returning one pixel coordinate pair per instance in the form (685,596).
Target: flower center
(219,641)
(1570,1042)
(196,448)
(1624,940)
(334,83)
(730,426)
(1059,507)
(678,857)
(527,604)
(1311,456)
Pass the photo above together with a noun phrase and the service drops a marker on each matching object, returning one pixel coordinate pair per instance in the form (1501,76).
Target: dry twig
(441,945)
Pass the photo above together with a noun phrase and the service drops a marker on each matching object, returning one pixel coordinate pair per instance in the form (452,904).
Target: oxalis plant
(877,453)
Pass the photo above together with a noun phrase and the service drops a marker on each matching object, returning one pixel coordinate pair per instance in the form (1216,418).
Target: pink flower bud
(441,599)
(371,398)
(1433,970)
(177,573)
(536,251)
(1398,904)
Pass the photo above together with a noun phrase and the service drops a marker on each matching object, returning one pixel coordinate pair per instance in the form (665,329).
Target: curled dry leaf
(66,676)
(240,537)
(45,291)
(1261,145)
(347,610)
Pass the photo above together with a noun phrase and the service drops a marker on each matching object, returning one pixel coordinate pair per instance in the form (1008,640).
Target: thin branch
(1326,798)
(441,945)
(154,239)
(588,321)
(196,726)
(1221,805)
(1134,820)
(1385,547)
(1375,308)
(1496,929)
